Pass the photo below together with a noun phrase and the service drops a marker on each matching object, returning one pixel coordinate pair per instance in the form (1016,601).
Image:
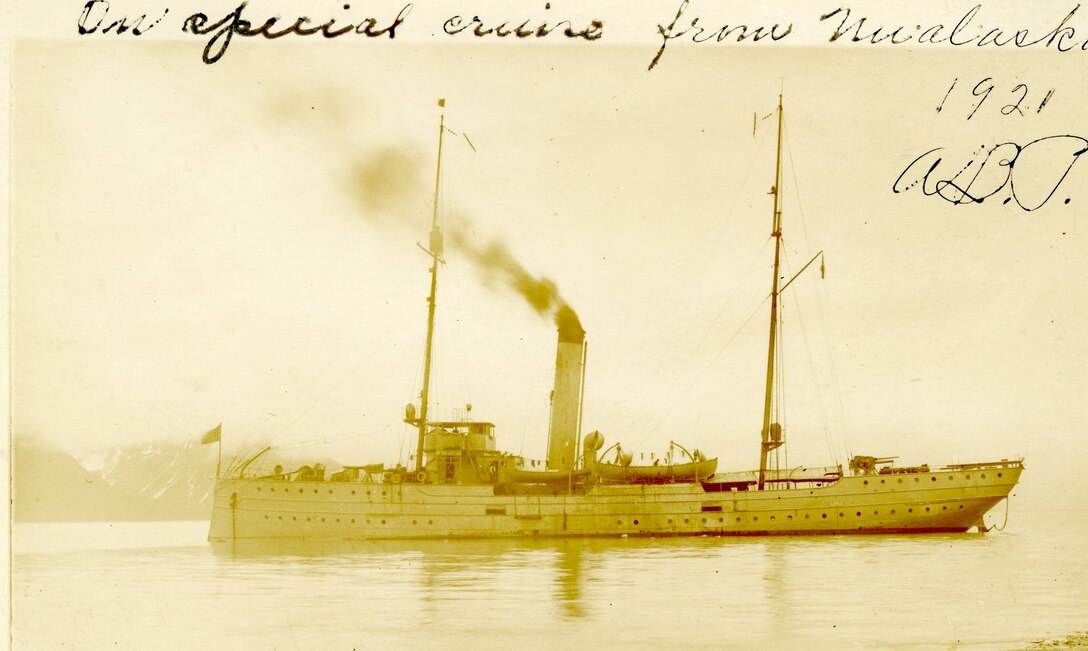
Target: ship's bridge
(459,452)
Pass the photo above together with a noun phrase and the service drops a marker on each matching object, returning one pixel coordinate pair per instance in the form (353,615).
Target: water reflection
(579,578)
(639,592)
(442,569)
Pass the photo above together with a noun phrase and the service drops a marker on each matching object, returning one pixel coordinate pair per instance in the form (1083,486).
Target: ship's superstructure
(463,486)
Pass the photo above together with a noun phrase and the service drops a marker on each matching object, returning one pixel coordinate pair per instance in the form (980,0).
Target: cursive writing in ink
(95,12)
(1032,172)
(966,31)
(700,34)
(457,24)
(233,23)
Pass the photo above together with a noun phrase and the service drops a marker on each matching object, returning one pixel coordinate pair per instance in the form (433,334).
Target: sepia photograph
(530,325)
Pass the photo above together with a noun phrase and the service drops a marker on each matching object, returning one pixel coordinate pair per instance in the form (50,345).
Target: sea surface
(159,585)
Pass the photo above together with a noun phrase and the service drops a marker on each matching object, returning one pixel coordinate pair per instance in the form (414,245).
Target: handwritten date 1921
(1031,172)
(1016,104)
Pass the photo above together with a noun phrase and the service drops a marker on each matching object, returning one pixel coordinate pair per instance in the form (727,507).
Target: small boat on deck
(622,471)
(659,474)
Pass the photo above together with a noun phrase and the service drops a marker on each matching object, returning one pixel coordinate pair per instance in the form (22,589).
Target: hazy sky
(236,243)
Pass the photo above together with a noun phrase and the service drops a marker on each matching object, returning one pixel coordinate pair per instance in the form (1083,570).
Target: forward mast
(435,251)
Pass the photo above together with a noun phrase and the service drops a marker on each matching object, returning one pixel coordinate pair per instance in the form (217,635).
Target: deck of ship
(946,500)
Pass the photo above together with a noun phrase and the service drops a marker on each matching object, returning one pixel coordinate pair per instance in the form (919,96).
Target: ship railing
(1004,463)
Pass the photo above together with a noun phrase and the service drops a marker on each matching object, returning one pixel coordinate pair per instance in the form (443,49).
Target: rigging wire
(816,385)
(253,443)
(706,265)
(835,385)
(672,396)
(325,440)
(703,372)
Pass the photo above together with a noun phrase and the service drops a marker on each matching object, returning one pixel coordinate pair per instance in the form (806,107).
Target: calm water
(159,585)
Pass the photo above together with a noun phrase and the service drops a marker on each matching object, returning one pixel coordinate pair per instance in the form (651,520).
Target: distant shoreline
(1077,640)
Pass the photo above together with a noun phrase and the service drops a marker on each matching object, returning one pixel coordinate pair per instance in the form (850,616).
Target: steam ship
(463,486)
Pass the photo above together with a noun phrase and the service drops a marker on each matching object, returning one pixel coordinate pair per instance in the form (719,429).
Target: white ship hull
(940,501)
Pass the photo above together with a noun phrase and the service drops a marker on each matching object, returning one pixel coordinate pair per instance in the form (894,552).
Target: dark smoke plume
(542,294)
(389,187)
(393,186)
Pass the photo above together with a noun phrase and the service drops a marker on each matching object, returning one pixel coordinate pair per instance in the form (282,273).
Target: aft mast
(435,251)
(772,433)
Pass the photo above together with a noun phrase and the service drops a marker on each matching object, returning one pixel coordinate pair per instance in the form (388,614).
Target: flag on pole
(212,435)
(442,102)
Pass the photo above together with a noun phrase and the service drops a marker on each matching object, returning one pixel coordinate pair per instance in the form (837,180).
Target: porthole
(841,515)
(413,521)
(280,517)
(670,521)
(933,478)
(755,518)
(944,508)
(916,480)
(307,519)
(721,520)
(619,522)
(823,515)
(772,517)
(430,521)
(910,510)
(266,517)
(984,476)
(294,518)
(866,482)
(258,489)
(322,519)
(330,491)
(337,520)
(686,520)
(961,507)
(738,519)
(893,511)
(789,517)
(383,493)
(876,512)
(300,490)
(704,520)
(951,477)
(315,491)
(272,489)
(806,516)
(859,514)
(353,492)
(367,520)
(636,522)
(998,474)
(881,481)
(927,509)
(353,521)
(900,480)
(967,477)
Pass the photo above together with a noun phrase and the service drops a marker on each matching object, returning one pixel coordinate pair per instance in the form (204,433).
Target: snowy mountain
(164,480)
(153,482)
